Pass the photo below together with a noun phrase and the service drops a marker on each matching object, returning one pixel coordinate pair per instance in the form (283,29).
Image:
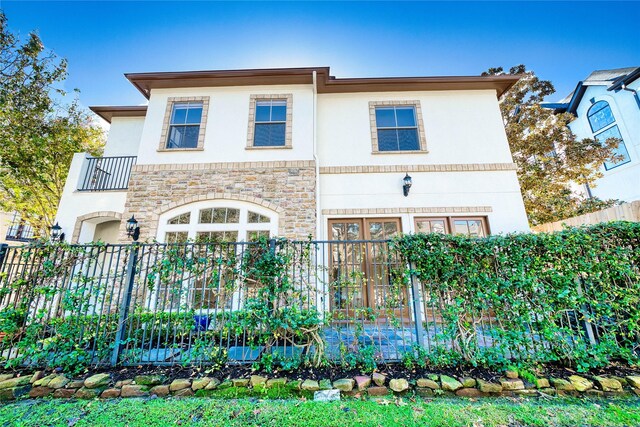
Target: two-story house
(296,152)
(607,105)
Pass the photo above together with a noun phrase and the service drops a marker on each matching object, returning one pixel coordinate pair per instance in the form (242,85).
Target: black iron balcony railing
(19,230)
(107,173)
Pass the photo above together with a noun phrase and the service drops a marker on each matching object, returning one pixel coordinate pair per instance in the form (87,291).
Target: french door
(362,269)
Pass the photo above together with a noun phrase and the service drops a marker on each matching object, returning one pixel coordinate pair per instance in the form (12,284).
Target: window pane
(176,237)
(179,115)
(385,117)
(376,231)
(387,140)
(423,226)
(279,113)
(180,219)
(205,216)
(216,236)
(461,227)
(233,216)
(263,112)
(253,236)
(390,229)
(408,139)
(438,227)
(256,218)
(406,116)
(194,115)
(471,227)
(621,151)
(600,115)
(269,135)
(183,137)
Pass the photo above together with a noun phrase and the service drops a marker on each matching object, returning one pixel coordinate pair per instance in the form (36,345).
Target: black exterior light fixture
(133,230)
(56,233)
(407,185)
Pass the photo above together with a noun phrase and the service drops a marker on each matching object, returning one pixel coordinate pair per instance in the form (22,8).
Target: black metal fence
(195,303)
(107,173)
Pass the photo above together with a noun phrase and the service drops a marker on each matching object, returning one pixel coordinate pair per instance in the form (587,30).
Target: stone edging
(101,385)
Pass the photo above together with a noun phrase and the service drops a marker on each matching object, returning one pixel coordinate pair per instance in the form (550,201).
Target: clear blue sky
(562,42)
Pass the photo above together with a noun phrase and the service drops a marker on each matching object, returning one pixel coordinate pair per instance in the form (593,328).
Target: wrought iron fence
(235,302)
(107,173)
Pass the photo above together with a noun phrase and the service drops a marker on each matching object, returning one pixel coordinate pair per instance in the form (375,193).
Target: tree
(551,162)
(39,132)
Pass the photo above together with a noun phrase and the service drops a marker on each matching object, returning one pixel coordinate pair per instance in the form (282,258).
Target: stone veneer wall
(287,187)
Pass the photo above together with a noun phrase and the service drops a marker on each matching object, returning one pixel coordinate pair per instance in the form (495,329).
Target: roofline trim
(109,112)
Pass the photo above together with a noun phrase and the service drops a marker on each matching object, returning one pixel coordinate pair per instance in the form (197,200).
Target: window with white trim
(603,126)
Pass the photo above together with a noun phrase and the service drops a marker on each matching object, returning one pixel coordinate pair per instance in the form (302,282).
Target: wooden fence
(623,212)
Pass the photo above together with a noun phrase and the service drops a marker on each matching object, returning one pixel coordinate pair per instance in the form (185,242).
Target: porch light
(407,185)
(133,230)
(56,234)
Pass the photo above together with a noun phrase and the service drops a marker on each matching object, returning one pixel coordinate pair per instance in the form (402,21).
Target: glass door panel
(346,267)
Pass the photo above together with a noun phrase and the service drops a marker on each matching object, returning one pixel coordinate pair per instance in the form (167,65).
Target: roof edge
(111,111)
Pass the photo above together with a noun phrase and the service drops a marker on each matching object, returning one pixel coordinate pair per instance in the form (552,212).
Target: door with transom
(364,285)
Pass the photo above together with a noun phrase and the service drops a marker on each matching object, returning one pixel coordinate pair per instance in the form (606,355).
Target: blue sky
(562,42)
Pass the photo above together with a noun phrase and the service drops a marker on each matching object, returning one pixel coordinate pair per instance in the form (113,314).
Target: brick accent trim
(288,143)
(374,128)
(101,214)
(224,166)
(423,210)
(464,167)
(167,117)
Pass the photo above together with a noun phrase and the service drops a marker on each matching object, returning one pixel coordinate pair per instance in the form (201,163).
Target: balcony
(19,230)
(106,173)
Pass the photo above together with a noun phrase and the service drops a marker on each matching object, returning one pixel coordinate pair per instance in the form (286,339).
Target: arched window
(603,127)
(217,221)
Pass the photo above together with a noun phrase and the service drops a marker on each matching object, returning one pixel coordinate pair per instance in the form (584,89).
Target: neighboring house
(13,230)
(234,155)
(607,105)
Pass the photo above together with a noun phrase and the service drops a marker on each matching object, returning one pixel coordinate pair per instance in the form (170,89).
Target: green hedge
(537,290)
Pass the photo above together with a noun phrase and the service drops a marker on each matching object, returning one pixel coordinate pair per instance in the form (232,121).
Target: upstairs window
(603,125)
(396,127)
(270,119)
(184,127)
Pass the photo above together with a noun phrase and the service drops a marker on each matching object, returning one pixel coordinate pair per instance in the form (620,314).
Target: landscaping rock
(470,392)
(294,385)
(64,393)
(344,384)
(44,382)
(4,377)
(542,383)
(549,391)
(110,393)
(160,390)
(180,384)
(468,382)
(379,379)
(581,384)
(562,385)
(257,380)
(433,377)
(399,385)
(363,382)
(58,382)
(310,385)
(98,380)
(15,382)
(608,384)
(424,392)
(487,387)
(185,392)
(511,374)
(86,393)
(511,384)
(148,380)
(378,391)
(427,383)
(325,384)
(594,392)
(276,382)
(120,383)
(14,392)
(526,392)
(327,395)
(134,390)
(200,383)
(36,376)
(449,384)
(74,384)
(240,382)
(213,384)
(636,391)
(634,380)
(40,391)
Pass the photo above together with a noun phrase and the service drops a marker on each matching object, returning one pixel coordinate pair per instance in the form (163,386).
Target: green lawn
(254,412)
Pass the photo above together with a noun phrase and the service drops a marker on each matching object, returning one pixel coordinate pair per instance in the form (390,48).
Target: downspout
(315,158)
(635,93)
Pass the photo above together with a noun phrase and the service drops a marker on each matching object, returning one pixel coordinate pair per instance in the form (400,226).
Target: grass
(256,412)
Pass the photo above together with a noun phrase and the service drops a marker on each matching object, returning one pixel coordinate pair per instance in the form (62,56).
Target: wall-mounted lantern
(56,234)
(133,230)
(407,185)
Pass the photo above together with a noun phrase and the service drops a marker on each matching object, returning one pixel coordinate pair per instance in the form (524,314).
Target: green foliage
(549,157)
(533,296)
